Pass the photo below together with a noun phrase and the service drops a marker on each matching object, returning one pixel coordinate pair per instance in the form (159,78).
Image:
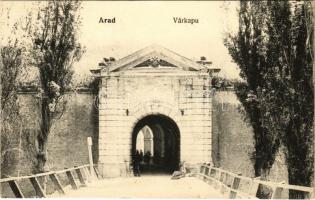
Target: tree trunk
(41,156)
(263,192)
(294,179)
(265,174)
(42,137)
(299,165)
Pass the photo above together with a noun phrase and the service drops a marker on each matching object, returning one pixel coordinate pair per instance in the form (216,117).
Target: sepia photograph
(157,99)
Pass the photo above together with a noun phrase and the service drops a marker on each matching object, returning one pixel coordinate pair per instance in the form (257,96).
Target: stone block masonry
(124,100)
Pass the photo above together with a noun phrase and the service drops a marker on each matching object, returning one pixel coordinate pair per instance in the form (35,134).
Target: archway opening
(158,138)
(144,142)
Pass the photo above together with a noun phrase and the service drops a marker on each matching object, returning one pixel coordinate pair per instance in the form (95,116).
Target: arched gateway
(163,91)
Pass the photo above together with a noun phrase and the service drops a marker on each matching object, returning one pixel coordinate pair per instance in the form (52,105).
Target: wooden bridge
(209,182)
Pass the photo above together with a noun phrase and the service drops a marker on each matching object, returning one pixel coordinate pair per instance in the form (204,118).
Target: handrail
(268,183)
(70,169)
(287,186)
(12,181)
(220,179)
(25,177)
(41,174)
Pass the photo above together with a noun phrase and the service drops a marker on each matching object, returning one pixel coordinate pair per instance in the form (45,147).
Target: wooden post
(97,173)
(39,190)
(253,188)
(205,172)
(71,180)
(15,189)
(218,184)
(57,183)
(87,173)
(235,185)
(222,179)
(276,192)
(211,182)
(80,176)
(209,175)
(89,142)
(201,169)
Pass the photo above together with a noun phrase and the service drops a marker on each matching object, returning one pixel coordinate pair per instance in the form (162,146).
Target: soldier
(136,164)
(141,155)
(146,157)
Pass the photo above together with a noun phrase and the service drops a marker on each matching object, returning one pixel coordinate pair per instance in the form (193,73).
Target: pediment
(154,57)
(154,62)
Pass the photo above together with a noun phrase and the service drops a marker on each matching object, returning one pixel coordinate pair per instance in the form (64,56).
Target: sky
(140,24)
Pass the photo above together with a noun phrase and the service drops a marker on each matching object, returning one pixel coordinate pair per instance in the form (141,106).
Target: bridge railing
(233,185)
(76,174)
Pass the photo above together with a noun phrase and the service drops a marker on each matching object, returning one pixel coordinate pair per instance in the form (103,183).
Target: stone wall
(68,143)
(232,136)
(67,146)
(233,143)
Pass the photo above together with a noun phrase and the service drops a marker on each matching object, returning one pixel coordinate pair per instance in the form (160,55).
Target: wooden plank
(253,188)
(226,178)
(310,195)
(222,177)
(276,192)
(205,171)
(98,175)
(87,173)
(16,189)
(286,186)
(24,177)
(56,183)
(71,180)
(68,169)
(81,179)
(235,185)
(39,190)
(232,195)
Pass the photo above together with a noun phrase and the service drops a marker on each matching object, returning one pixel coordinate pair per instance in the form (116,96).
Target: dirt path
(147,187)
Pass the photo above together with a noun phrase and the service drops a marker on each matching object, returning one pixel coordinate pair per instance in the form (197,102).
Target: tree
(298,97)
(284,92)
(12,63)
(248,51)
(10,58)
(55,49)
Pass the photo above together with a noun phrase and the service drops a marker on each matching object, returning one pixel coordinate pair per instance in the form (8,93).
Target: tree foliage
(274,49)
(12,63)
(248,50)
(55,49)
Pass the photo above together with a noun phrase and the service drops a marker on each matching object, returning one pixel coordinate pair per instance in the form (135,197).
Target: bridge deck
(147,186)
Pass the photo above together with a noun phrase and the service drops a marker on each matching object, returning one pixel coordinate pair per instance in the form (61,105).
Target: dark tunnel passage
(161,148)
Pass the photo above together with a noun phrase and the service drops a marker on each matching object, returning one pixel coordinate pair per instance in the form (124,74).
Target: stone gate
(156,88)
